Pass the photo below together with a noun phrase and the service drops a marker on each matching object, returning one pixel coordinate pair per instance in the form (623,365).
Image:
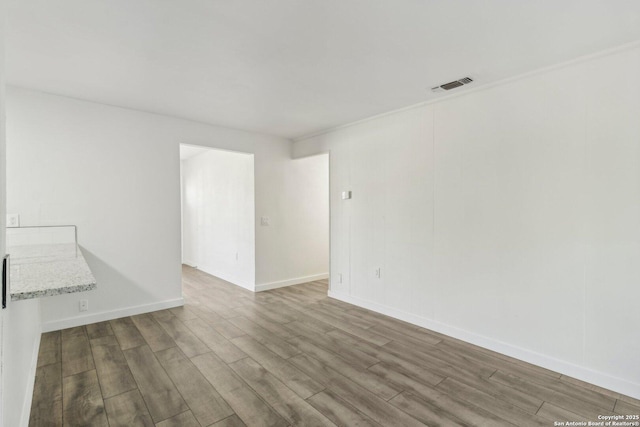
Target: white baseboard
(31,379)
(189,263)
(291,282)
(226,277)
(71,322)
(576,371)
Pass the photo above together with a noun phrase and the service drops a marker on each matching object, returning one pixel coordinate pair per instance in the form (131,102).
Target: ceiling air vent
(452,85)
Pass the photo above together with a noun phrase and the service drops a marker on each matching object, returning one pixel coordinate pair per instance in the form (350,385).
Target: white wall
(307,182)
(294,195)
(218,231)
(115,173)
(20,321)
(2,197)
(508,217)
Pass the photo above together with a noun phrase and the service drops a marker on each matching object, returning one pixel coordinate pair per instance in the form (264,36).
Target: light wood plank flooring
(291,356)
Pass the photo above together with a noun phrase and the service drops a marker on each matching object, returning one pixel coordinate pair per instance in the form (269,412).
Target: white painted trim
(31,379)
(291,282)
(580,372)
(71,322)
(473,89)
(246,286)
(226,278)
(189,263)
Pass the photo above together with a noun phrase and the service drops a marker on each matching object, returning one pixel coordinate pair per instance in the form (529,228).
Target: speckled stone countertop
(46,270)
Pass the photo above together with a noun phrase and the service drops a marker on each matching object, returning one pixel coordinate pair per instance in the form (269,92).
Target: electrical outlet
(378,272)
(264,221)
(84,305)
(13,220)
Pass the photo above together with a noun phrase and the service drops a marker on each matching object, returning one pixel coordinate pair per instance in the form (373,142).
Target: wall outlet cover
(13,220)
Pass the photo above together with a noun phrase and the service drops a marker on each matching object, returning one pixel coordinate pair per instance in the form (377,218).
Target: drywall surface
(508,217)
(2,199)
(306,183)
(20,321)
(218,212)
(115,173)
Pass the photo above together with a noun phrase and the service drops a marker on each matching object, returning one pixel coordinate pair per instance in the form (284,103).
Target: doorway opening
(218,210)
(312,213)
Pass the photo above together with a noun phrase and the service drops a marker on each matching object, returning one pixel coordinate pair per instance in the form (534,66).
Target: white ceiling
(294,67)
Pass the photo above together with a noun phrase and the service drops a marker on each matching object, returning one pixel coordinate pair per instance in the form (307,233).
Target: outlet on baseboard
(84,305)
(13,220)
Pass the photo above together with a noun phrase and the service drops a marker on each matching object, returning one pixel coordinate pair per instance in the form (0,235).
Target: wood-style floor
(291,356)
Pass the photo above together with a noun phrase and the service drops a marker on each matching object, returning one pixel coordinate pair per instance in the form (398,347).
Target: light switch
(264,221)
(346,195)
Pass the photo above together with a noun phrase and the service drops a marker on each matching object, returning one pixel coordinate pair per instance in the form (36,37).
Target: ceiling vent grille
(452,85)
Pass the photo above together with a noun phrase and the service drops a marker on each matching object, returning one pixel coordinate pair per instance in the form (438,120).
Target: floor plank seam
(361,361)
(395,395)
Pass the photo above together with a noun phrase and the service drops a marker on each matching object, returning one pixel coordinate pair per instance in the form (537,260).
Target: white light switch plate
(13,220)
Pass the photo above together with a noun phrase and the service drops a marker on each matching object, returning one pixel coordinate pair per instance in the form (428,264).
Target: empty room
(224,213)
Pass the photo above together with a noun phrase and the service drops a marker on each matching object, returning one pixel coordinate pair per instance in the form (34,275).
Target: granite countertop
(46,270)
